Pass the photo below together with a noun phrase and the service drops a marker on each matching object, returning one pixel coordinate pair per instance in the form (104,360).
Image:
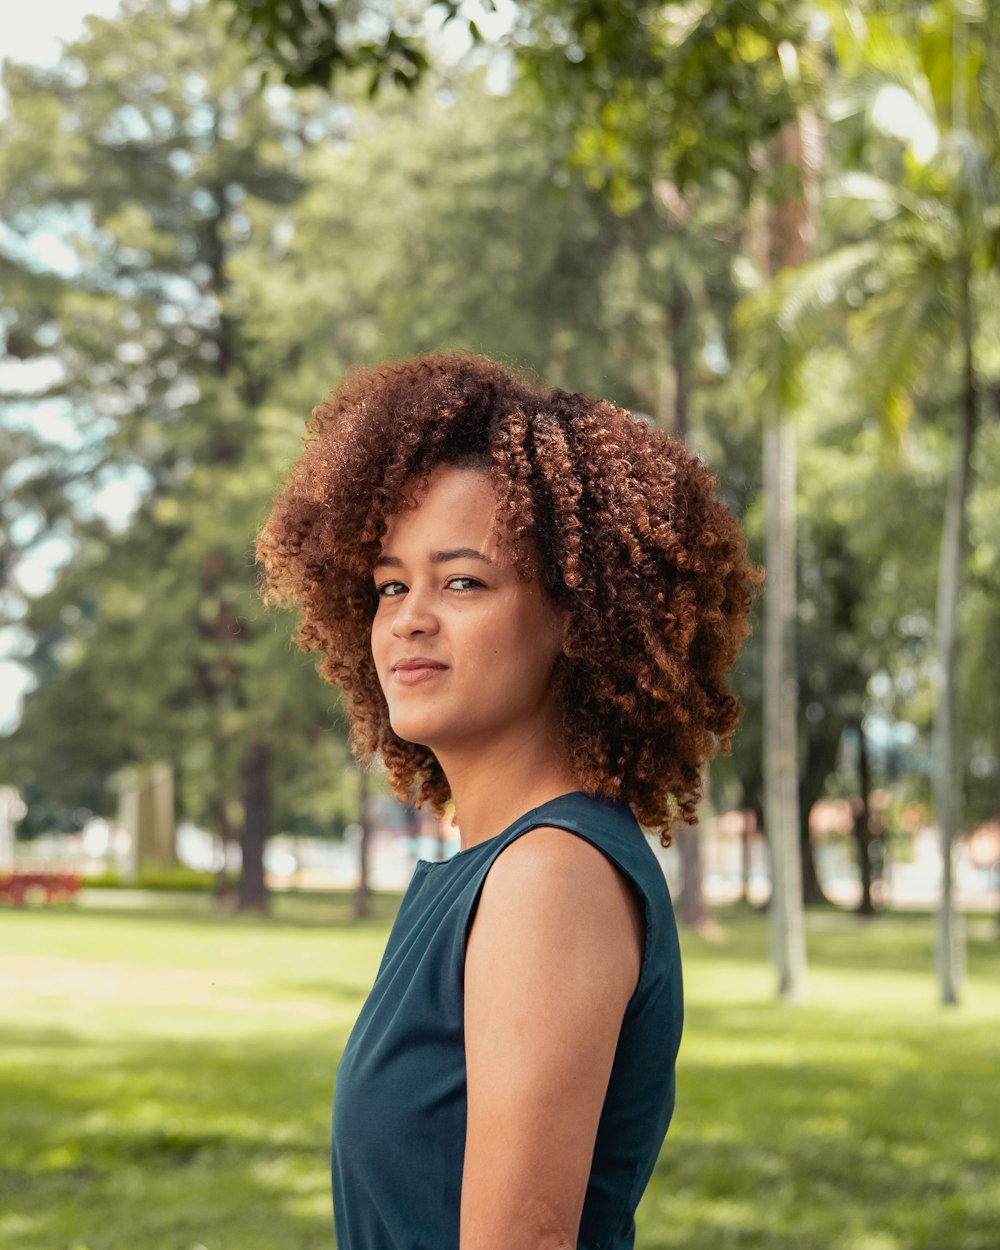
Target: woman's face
(463,647)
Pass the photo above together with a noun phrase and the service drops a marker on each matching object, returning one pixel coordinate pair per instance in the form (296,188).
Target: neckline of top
(469,850)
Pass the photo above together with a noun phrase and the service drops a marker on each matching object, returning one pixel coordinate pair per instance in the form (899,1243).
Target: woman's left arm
(553,957)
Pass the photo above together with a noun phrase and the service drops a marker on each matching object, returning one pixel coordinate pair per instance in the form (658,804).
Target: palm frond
(799,303)
(902,333)
(876,192)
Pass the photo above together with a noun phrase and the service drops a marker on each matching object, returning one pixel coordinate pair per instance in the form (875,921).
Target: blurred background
(773,229)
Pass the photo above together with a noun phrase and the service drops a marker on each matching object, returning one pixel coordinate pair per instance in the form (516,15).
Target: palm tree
(927,227)
(782,238)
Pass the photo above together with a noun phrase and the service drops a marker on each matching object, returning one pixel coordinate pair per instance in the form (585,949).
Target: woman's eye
(389,590)
(463,583)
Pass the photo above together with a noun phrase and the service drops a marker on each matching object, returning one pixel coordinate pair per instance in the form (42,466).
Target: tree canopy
(190,257)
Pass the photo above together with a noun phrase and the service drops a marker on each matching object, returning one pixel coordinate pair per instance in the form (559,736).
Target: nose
(415,616)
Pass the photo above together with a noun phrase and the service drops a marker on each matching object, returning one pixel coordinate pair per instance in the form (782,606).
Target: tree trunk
(221,888)
(947,757)
(785,238)
(996,866)
(814,774)
(781,794)
(256,825)
(753,822)
(863,827)
(681,346)
(812,890)
(694,908)
(362,896)
(750,825)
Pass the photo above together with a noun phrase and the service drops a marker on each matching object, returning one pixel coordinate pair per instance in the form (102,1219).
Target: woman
(530,600)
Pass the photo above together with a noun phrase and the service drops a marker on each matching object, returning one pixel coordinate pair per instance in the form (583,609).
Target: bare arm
(553,957)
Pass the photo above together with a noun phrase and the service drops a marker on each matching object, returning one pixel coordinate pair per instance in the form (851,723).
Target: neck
(493,785)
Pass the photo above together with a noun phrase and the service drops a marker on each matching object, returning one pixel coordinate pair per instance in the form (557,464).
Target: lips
(416,670)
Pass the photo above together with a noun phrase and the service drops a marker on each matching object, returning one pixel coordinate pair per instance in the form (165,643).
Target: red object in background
(57,887)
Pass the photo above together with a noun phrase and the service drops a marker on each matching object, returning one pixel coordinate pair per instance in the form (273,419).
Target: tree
(158,186)
(783,236)
(925,236)
(677,95)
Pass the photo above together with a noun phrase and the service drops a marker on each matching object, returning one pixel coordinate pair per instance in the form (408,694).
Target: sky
(43,26)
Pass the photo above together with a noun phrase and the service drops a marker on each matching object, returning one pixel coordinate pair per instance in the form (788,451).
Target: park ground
(165,1081)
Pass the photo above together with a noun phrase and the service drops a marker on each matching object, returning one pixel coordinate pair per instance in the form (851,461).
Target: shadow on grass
(165,1146)
(139,1146)
(816,1129)
(899,1153)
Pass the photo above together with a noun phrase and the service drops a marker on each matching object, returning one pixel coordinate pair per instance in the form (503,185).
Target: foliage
(681,91)
(909,205)
(168,1084)
(156,877)
(912,237)
(685,87)
(149,187)
(314,42)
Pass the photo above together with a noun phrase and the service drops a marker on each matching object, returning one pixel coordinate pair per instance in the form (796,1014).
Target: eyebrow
(436,557)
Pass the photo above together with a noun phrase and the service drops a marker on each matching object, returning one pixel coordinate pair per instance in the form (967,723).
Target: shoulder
(553,892)
(548,861)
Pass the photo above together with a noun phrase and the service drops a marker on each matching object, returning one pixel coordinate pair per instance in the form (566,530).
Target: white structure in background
(12,809)
(106,847)
(199,849)
(146,810)
(96,838)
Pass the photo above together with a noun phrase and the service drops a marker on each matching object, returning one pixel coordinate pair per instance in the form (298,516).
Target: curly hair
(632,538)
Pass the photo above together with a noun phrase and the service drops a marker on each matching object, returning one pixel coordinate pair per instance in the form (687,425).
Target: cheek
(542,628)
(378,637)
(520,647)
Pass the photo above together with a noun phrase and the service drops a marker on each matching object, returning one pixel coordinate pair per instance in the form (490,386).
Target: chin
(413,729)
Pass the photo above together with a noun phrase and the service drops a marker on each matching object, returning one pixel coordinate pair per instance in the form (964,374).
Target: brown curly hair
(632,539)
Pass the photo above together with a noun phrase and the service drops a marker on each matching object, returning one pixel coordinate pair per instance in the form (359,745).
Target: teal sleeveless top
(399,1106)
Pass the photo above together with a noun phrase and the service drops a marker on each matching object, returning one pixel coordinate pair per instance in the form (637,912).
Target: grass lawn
(165,1080)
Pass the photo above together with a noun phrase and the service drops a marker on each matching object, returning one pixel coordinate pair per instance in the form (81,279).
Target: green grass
(868,1119)
(165,1081)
